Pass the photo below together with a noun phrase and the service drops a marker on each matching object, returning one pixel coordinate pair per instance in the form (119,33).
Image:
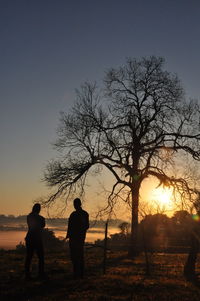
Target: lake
(9,239)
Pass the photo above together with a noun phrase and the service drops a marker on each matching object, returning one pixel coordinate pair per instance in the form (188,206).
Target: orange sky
(47,51)
(19,199)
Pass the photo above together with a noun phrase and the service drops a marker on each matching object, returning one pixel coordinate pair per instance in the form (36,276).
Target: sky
(49,48)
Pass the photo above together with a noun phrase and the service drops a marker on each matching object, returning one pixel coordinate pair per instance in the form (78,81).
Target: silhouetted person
(77,226)
(34,242)
(189,268)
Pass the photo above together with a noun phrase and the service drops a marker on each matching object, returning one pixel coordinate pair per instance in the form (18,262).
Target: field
(125,279)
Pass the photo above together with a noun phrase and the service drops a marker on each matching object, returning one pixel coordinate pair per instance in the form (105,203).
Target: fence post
(145,251)
(105,247)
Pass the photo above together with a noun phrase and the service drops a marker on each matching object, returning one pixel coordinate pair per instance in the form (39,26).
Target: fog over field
(13,229)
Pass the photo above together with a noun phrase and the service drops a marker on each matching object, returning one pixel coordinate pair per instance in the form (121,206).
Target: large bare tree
(134,126)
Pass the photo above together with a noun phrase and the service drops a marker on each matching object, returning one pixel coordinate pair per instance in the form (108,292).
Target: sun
(164,196)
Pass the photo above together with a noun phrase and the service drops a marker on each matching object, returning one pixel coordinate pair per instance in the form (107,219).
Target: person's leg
(29,256)
(74,255)
(40,254)
(78,255)
(81,261)
(189,268)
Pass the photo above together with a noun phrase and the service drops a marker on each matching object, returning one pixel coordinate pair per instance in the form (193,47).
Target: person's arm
(69,227)
(43,223)
(87,221)
(27,220)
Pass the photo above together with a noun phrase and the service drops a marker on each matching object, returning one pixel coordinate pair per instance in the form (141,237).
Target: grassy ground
(125,279)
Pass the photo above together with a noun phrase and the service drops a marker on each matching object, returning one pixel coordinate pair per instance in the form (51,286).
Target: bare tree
(136,127)
(124,228)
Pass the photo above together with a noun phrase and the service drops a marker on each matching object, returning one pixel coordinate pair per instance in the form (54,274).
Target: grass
(125,278)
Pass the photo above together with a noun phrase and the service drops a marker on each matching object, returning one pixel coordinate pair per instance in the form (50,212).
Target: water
(9,239)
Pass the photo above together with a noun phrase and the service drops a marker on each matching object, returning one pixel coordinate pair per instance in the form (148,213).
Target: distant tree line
(21,220)
(157,232)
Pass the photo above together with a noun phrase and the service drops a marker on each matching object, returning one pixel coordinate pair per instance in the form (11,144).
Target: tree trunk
(105,247)
(134,247)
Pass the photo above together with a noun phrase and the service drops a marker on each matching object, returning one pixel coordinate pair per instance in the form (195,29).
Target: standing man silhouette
(34,242)
(190,265)
(77,226)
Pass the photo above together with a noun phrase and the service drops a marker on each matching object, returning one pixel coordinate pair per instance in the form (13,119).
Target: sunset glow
(164,196)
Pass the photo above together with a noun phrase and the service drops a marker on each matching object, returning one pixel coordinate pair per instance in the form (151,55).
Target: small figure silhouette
(190,265)
(34,242)
(77,226)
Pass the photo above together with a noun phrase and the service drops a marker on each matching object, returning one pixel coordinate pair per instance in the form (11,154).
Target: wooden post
(145,251)
(105,247)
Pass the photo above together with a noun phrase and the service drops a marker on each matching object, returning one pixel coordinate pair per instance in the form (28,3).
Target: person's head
(77,203)
(36,208)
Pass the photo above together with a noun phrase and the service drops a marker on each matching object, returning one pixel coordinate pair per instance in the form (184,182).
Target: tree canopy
(135,125)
